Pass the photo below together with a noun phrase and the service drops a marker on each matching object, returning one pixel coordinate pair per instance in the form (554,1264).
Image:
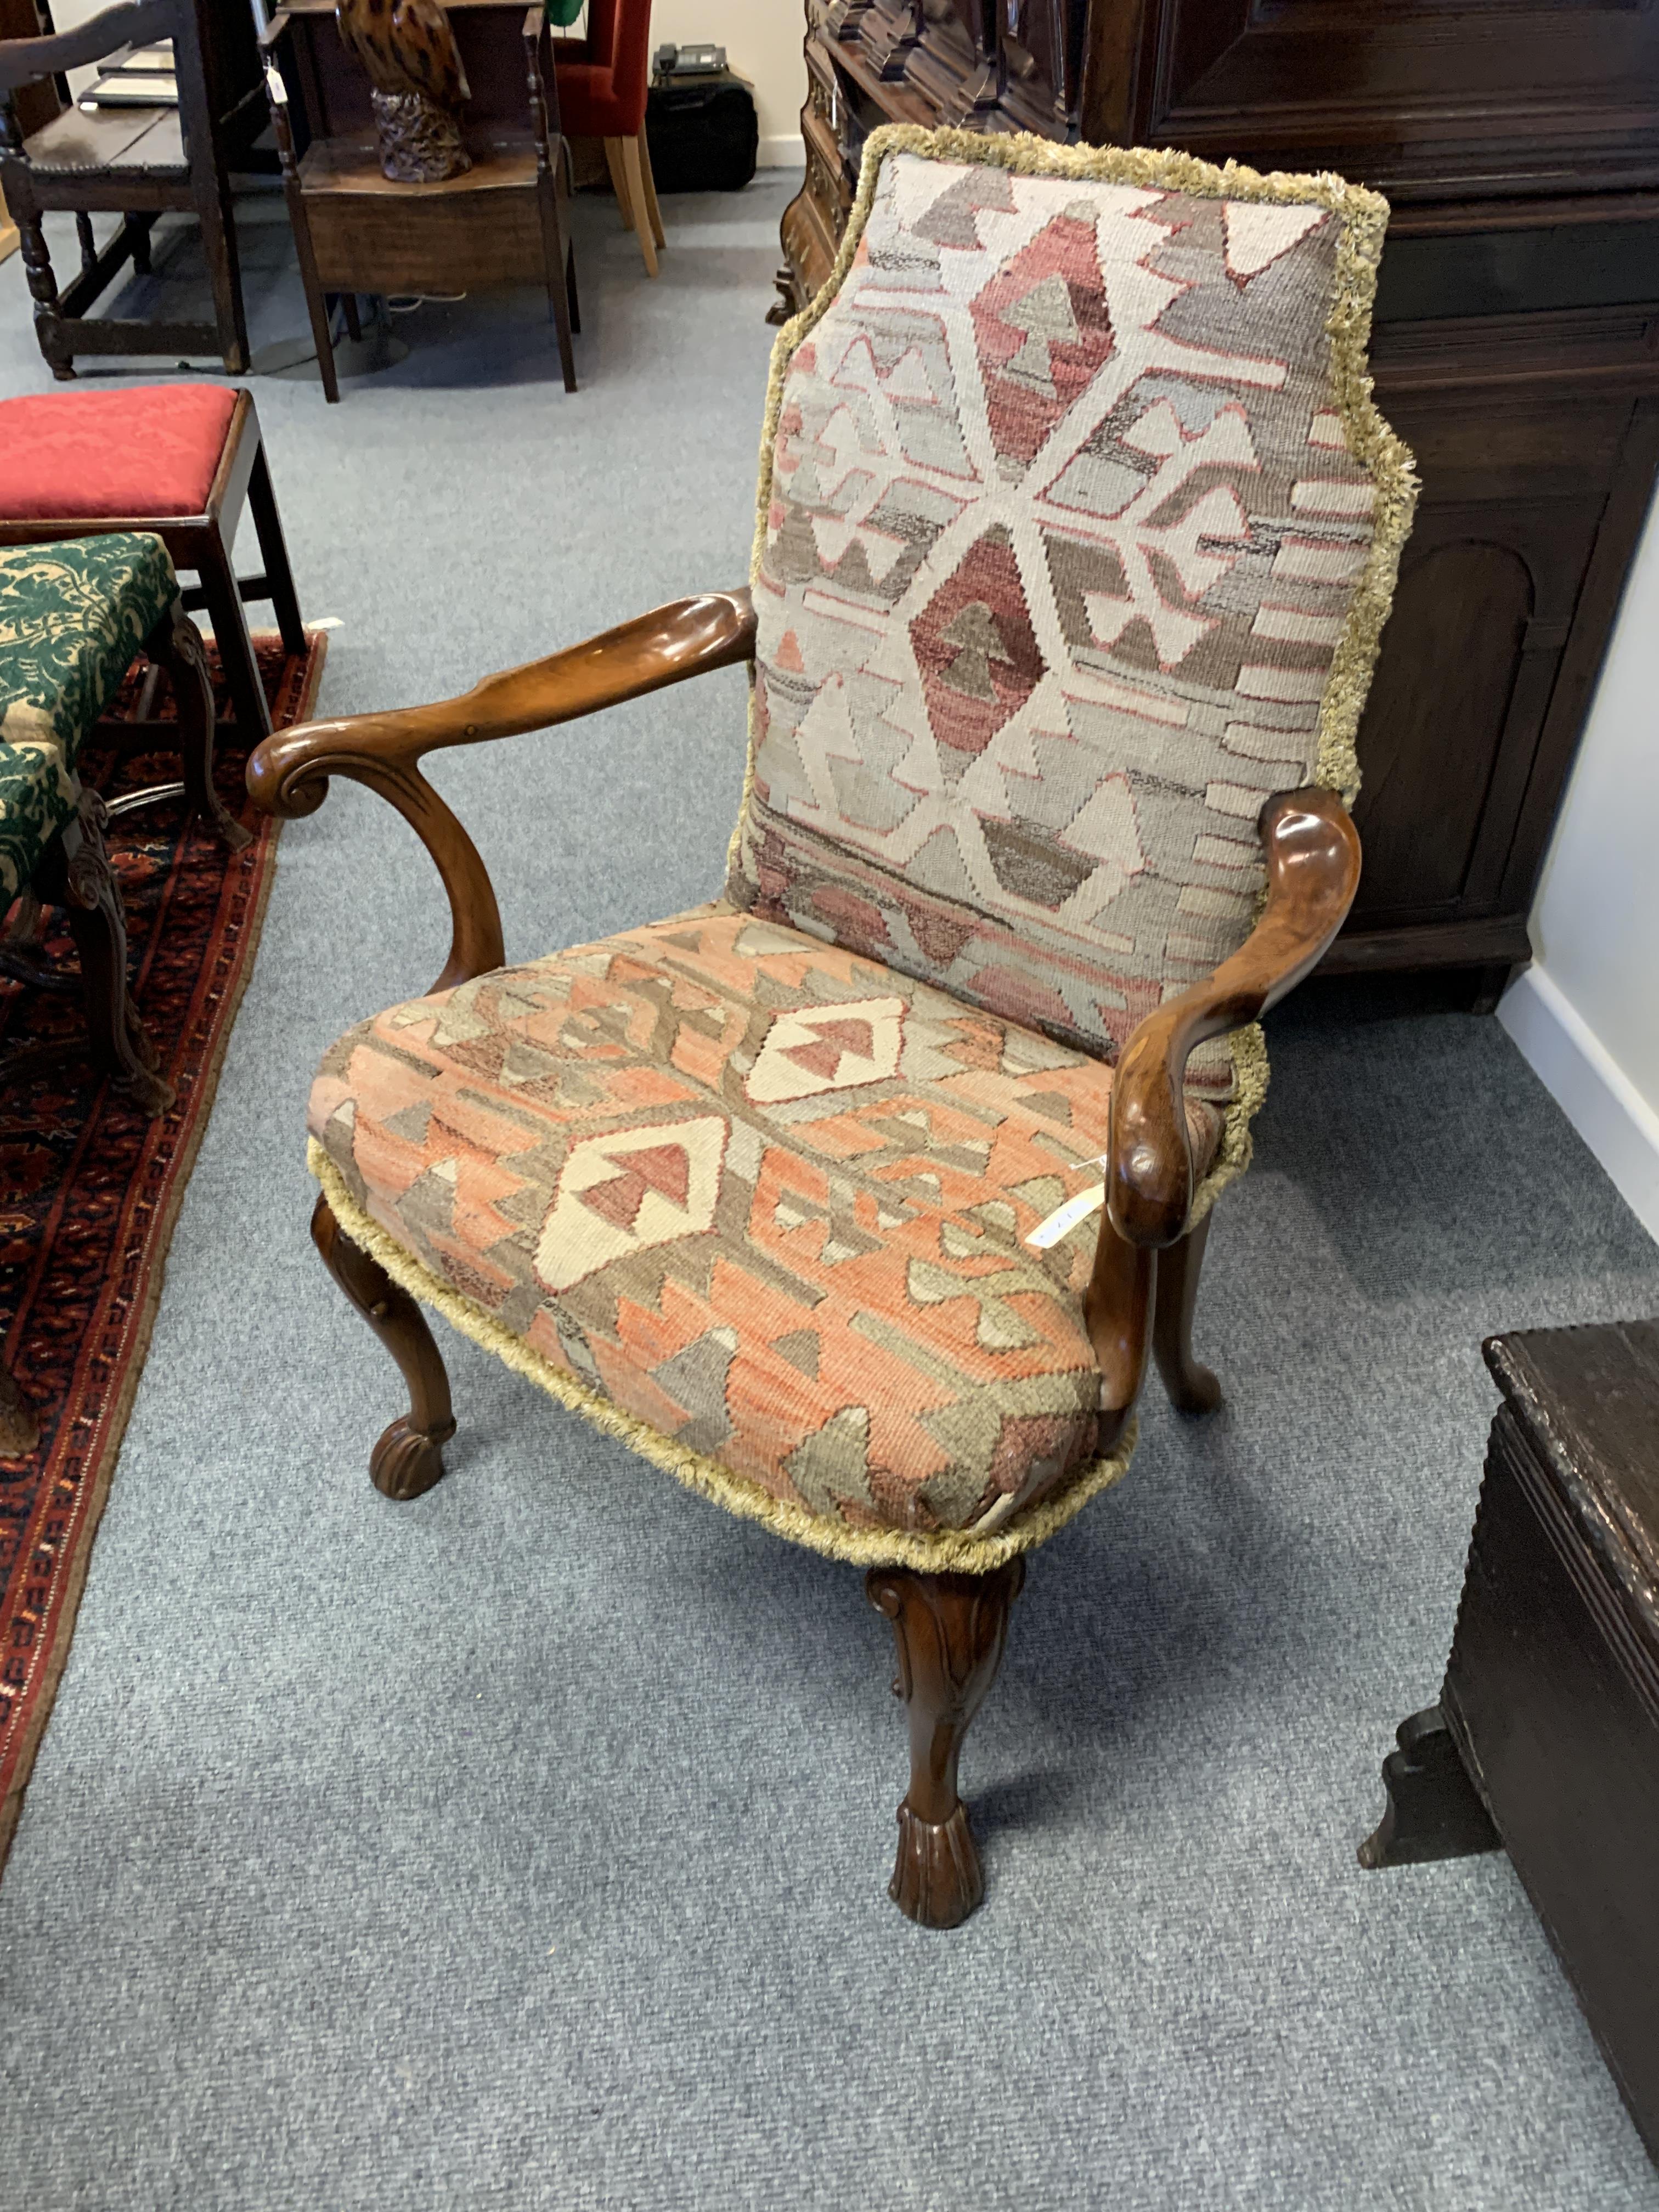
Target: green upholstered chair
(73,617)
(1076,533)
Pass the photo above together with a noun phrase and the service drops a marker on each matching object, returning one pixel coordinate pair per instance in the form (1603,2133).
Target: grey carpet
(527,1846)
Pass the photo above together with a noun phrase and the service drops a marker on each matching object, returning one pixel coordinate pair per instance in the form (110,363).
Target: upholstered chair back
(1078,528)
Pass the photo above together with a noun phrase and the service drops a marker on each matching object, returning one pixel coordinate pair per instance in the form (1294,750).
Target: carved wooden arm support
(288,773)
(1313,871)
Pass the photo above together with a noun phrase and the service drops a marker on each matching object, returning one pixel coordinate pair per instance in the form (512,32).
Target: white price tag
(1065,1219)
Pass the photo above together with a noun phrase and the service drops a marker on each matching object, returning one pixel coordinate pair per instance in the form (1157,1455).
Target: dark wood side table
(500,223)
(1546,1738)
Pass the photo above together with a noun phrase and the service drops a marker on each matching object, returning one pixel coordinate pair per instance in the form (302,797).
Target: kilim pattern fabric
(763,1194)
(72,618)
(1063,522)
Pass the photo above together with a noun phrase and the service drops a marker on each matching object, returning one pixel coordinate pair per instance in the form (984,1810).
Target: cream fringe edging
(949,1551)
(1385,459)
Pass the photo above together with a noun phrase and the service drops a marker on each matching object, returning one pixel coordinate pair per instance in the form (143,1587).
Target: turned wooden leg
(1192,1388)
(51,330)
(175,644)
(1434,1811)
(409,1457)
(951,1630)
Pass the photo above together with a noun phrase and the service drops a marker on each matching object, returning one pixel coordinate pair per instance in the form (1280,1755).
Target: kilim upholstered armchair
(1078,529)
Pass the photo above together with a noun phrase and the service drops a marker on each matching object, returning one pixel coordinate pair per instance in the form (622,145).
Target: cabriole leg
(76,870)
(951,1630)
(1191,1388)
(175,644)
(409,1457)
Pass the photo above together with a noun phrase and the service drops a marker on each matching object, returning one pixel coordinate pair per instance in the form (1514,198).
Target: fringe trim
(949,1551)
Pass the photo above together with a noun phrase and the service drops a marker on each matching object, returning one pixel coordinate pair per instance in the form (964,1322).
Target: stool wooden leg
(629,149)
(175,644)
(273,554)
(230,632)
(79,873)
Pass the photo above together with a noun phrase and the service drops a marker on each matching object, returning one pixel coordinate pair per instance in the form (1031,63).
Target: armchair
(1072,556)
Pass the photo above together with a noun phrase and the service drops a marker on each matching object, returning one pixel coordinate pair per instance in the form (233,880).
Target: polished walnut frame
(951,1628)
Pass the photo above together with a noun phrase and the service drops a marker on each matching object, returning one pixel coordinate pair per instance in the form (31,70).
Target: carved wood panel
(1428,98)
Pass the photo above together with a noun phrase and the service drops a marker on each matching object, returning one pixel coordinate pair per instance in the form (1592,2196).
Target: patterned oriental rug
(90,1189)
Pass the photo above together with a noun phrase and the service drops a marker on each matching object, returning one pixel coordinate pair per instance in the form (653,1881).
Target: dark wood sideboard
(1516,345)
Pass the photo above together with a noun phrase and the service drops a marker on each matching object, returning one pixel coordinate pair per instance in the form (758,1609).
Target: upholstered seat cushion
(72,617)
(151,450)
(766,1196)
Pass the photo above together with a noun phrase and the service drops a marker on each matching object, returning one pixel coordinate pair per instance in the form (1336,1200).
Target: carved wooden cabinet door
(1425,96)
(1532,500)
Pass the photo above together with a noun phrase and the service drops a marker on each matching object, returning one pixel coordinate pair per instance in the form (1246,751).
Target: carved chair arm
(288,773)
(1313,871)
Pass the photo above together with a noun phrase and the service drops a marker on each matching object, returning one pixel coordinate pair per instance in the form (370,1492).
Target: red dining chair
(602,95)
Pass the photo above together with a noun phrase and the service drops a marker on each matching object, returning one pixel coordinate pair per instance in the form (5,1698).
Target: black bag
(703,132)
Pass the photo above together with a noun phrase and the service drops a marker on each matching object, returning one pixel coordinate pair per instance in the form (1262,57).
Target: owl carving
(409,50)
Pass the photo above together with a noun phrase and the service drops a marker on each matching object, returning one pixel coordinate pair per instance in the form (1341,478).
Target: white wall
(763,41)
(1586,1014)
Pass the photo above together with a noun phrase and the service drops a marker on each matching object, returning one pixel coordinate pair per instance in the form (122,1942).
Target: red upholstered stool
(176,459)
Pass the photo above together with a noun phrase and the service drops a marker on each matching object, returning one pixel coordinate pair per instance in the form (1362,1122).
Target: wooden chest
(1548,1722)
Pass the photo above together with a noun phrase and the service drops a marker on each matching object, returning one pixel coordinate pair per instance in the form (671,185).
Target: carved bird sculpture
(407,47)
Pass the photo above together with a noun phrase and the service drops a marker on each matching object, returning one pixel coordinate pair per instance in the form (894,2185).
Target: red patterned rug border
(232,970)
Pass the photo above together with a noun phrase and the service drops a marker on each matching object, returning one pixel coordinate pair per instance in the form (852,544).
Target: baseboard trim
(781,152)
(1595,1093)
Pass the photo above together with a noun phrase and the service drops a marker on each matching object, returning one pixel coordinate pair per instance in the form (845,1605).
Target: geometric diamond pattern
(1061,531)
(760,1194)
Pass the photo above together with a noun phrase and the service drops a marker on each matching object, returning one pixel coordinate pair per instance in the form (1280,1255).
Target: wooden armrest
(133,23)
(1313,872)
(288,773)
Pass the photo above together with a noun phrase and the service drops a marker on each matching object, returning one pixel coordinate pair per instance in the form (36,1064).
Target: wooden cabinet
(1515,349)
